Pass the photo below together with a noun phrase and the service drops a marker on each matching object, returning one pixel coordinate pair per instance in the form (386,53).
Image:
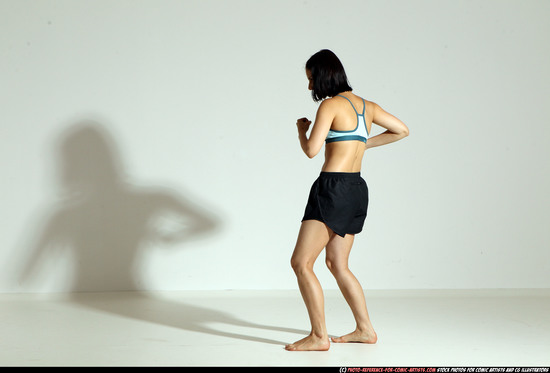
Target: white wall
(123,119)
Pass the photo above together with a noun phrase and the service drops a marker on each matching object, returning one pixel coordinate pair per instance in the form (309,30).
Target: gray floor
(250,328)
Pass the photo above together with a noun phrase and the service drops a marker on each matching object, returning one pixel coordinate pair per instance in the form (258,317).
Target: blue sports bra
(359,133)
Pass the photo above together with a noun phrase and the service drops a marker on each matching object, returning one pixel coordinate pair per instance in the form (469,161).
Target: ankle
(320,334)
(364,328)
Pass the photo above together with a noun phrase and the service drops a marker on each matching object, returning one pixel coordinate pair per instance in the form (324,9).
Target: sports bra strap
(354,106)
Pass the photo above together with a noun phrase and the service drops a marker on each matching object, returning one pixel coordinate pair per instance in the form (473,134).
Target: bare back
(346,156)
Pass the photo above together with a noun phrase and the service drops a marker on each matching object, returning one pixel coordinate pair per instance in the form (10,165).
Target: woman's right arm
(395,129)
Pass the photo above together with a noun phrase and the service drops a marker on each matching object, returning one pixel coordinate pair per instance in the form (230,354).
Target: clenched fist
(303,124)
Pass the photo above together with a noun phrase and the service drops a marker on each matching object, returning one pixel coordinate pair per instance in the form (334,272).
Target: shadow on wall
(106,224)
(103,221)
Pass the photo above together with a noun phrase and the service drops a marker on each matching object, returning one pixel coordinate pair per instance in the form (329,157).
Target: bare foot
(309,343)
(357,336)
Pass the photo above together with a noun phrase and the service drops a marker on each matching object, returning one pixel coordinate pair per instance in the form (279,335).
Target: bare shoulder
(330,104)
(387,120)
(371,105)
(330,101)
(374,108)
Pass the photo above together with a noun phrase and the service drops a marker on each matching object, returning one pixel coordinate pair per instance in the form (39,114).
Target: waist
(340,175)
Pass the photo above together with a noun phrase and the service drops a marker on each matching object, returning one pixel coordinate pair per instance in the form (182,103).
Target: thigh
(338,249)
(312,239)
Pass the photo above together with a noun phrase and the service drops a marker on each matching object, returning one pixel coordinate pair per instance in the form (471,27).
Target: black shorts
(340,200)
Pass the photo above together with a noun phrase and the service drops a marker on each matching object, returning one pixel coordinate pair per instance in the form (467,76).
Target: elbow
(405,132)
(310,153)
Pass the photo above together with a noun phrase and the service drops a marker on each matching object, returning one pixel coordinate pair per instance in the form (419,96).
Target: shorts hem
(329,227)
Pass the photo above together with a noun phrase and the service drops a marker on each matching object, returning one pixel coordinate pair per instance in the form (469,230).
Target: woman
(338,200)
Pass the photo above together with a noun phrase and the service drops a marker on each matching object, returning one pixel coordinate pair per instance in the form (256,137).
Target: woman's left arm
(323,121)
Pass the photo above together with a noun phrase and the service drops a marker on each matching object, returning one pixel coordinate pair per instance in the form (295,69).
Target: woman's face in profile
(310,79)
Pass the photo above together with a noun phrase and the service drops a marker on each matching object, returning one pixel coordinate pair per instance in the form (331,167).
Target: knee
(330,264)
(335,267)
(300,266)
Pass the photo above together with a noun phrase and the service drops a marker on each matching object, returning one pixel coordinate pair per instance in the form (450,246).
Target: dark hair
(327,72)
